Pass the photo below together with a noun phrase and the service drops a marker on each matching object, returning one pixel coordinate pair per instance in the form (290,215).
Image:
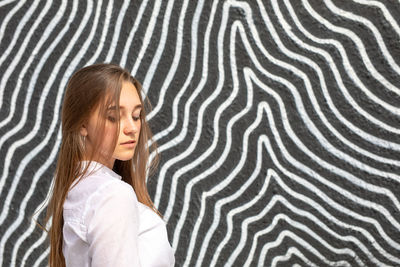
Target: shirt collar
(97,166)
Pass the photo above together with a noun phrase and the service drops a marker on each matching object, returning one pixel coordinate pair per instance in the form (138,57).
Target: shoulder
(114,191)
(97,185)
(96,192)
(111,192)
(112,205)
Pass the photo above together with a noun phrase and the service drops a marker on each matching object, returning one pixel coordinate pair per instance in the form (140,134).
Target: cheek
(111,132)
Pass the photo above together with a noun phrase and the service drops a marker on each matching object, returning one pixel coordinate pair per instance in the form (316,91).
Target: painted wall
(278,122)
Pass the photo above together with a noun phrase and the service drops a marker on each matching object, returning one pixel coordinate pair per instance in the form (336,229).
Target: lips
(129,142)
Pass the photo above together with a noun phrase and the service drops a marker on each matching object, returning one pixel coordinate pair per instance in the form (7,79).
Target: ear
(83,130)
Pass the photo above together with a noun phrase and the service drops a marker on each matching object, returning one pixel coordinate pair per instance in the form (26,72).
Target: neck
(109,163)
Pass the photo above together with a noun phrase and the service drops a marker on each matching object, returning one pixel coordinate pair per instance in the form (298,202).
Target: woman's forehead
(129,98)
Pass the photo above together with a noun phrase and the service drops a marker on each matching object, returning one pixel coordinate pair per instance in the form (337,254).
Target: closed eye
(111,118)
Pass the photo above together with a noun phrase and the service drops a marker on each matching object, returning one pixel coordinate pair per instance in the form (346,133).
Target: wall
(277,122)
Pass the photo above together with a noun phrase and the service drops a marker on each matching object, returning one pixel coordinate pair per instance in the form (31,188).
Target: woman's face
(130,124)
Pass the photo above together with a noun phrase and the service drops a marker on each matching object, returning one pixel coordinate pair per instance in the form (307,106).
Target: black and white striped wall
(278,122)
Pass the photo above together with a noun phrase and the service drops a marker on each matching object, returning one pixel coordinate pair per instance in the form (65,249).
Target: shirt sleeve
(112,230)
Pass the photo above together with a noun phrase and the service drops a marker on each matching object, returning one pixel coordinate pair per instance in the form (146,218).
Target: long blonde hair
(87,89)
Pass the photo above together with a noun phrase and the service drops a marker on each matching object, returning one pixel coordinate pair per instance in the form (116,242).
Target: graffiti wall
(278,123)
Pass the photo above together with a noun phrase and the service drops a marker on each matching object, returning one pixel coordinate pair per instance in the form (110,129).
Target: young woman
(101,211)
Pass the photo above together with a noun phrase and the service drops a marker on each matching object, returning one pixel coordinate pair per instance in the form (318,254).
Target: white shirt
(106,226)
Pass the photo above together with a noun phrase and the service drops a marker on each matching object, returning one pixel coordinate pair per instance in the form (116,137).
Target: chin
(124,157)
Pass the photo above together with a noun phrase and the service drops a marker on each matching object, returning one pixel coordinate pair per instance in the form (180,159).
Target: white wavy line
(39,209)
(308,215)
(117,30)
(35,130)
(248,49)
(193,53)
(366,203)
(332,203)
(104,32)
(27,233)
(20,240)
(175,62)
(348,124)
(148,35)
(238,193)
(18,30)
(98,50)
(361,49)
(42,257)
(147,38)
(306,184)
(171,73)
(38,243)
(132,32)
(30,90)
(31,87)
(220,160)
(343,89)
(300,241)
(183,132)
(223,201)
(200,257)
(337,189)
(289,253)
(31,155)
(298,225)
(73,64)
(264,139)
(216,120)
(37,122)
(25,200)
(370,138)
(235,171)
(58,99)
(310,125)
(17,59)
(325,142)
(250,180)
(384,10)
(388,57)
(6,2)
(224,154)
(254,200)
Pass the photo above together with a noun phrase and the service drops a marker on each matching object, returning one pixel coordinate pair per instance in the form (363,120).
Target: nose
(130,127)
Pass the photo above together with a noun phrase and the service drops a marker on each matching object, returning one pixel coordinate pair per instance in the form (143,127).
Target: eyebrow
(139,106)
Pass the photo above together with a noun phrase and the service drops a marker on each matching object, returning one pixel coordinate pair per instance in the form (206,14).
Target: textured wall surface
(278,122)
